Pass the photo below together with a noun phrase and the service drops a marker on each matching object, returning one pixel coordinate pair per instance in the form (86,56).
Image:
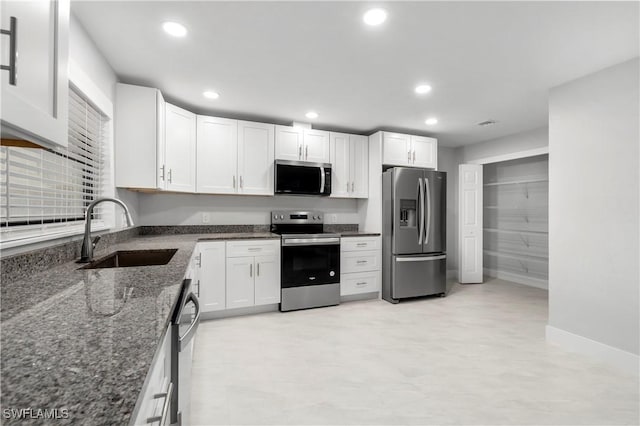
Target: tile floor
(477,356)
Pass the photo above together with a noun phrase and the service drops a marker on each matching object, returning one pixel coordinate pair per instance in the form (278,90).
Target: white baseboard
(225,313)
(617,358)
(508,276)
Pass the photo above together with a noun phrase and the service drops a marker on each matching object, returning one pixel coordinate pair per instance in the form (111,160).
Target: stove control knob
(281,217)
(275,216)
(332,273)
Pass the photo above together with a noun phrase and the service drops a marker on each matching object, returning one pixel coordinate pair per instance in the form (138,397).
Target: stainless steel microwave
(302,178)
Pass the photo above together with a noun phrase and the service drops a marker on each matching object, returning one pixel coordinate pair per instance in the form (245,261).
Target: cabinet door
(288,143)
(340,164)
(359,166)
(424,152)
(256,153)
(36,106)
(139,137)
(180,150)
(216,153)
(212,275)
(316,146)
(240,282)
(267,282)
(396,149)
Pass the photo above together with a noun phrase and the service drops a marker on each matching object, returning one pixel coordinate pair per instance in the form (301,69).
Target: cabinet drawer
(252,248)
(359,261)
(360,243)
(360,282)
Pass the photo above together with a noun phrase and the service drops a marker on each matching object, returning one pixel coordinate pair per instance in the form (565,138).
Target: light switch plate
(206,217)
(333,218)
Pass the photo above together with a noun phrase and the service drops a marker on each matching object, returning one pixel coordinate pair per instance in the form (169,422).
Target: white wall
(593,213)
(448,162)
(530,142)
(84,55)
(187,209)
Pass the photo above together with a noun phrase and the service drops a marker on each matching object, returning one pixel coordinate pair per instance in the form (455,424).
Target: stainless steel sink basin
(129,258)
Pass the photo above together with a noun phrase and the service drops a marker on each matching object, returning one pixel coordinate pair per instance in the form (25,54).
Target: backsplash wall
(188,209)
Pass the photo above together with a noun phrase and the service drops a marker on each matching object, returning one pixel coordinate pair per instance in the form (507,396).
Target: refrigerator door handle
(421,206)
(428,207)
(420,259)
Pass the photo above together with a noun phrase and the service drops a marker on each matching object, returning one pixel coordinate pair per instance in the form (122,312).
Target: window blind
(45,191)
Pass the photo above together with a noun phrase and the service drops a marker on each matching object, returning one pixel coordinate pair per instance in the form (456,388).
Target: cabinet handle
(300,152)
(241,182)
(353,186)
(162,174)
(12,32)
(409,156)
(347,186)
(234,181)
(360,262)
(165,407)
(170,176)
(362,283)
(199,260)
(254,248)
(251,270)
(306,152)
(361,244)
(257,269)
(414,155)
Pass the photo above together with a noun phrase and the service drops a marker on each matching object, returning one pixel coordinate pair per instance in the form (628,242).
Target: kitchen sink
(129,258)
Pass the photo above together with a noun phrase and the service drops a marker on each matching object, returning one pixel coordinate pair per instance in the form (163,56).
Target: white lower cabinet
(211,279)
(240,282)
(360,265)
(237,274)
(253,273)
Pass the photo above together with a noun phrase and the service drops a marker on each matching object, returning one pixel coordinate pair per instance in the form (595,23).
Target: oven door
(297,177)
(310,261)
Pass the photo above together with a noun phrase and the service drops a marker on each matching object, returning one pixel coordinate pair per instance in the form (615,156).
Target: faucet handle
(95,241)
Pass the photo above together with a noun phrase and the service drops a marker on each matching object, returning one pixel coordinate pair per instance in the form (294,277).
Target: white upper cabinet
(180,150)
(425,152)
(217,155)
(299,144)
(340,165)
(359,166)
(289,143)
(256,152)
(406,150)
(234,157)
(396,149)
(316,146)
(139,137)
(350,165)
(35,100)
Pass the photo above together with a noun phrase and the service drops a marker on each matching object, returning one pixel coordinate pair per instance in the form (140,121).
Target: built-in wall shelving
(516,220)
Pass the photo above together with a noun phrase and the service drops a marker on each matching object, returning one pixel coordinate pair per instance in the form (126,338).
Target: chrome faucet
(86,254)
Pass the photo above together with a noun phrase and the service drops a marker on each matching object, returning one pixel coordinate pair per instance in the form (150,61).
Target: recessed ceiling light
(422,89)
(311,114)
(431,121)
(375,16)
(174,29)
(210,95)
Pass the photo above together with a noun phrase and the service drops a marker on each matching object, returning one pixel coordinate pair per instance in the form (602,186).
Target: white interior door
(470,229)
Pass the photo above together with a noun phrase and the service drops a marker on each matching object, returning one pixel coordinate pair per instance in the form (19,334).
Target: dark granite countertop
(71,340)
(359,234)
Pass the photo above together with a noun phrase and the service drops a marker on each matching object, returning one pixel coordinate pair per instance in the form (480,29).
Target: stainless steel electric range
(310,270)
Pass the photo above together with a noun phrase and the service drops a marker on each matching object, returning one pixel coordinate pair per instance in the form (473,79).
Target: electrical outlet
(206,217)
(333,218)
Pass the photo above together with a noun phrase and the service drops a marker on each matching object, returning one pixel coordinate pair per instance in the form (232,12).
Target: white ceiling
(274,61)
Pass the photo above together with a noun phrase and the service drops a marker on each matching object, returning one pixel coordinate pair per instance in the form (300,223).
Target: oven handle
(310,241)
(322,180)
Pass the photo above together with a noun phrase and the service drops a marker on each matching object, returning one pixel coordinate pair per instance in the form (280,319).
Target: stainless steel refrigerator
(414,236)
